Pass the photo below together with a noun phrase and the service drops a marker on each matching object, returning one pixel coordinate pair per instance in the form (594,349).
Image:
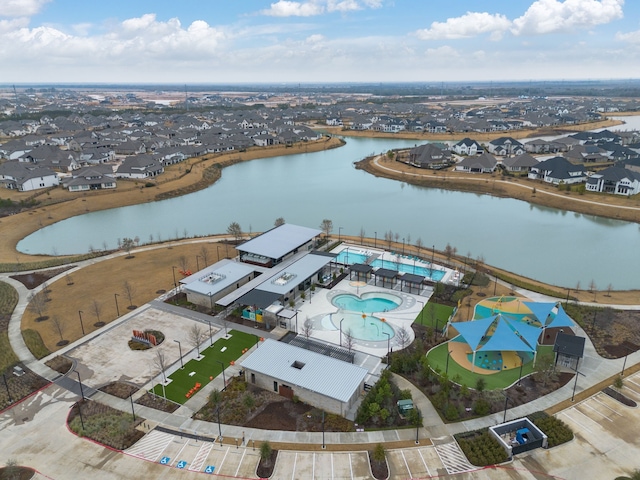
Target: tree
(327,227)
(307,327)
(58,326)
(129,291)
(349,340)
(379,455)
(69,279)
(215,397)
(160,362)
(545,367)
(609,288)
(362,235)
(196,336)
(45,291)
(265,453)
(388,237)
(592,289)
(96,309)
(403,337)
(279,221)
(183,263)
(11,470)
(235,231)
(127,244)
(448,251)
(38,306)
(204,254)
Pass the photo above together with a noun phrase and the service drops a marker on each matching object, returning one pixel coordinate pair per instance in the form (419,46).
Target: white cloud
(550,16)
(469,25)
(21,8)
(343,6)
(285,8)
(630,37)
(13,24)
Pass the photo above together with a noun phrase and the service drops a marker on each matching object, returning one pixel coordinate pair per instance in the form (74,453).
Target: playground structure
(503,335)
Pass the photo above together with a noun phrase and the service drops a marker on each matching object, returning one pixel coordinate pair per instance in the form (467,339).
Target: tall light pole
(576,384)
(402,246)
(81,324)
(115,295)
(224,380)
(80,382)
(339,233)
(446,370)
(521,365)
(388,346)
(375,239)
(6,384)
(506,401)
(433,254)
(340,328)
(133,412)
(624,364)
(219,427)
(175,284)
(210,332)
(180,349)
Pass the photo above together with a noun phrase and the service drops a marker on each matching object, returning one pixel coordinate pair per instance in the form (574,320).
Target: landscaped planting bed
(480,448)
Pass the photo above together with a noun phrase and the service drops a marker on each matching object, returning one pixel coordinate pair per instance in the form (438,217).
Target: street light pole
(80,382)
(446,370)
(133,412)
(375,239)
(433,254)
(6,384)
(388,346)
(81,324)
(521,365)
(115,295)
(219,427)
(210,332)
(180,348)
(224,380)
(175,284)
(506,401)
(339,233)
(624,364)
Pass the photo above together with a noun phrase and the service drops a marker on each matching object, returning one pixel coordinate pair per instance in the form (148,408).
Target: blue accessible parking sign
(181,464)
(209,469)
(165,460)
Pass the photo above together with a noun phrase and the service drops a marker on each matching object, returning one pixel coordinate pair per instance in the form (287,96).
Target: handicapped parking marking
(209,469)
(165,460)
(182,464)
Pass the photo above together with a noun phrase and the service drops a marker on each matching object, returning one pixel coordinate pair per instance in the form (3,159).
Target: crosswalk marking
(201,457)
(453,459)
(151,446)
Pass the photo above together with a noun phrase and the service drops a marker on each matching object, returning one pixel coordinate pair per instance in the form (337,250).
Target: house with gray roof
(467,146)
(504,146)
(429,156)
(139,166)
(615,180)
(520,163)
(319,380)
(558,170)
(26,177)
(485,163)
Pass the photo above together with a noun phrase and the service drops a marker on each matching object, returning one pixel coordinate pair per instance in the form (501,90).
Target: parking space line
(151,446)
(597,399)
(313,466)
(223,459)
(178,454)
(240,463)
(576,421)
(586,405)
(295,460)
(332,473)
(351,466)
(201,456)
(406,464)
(424,463)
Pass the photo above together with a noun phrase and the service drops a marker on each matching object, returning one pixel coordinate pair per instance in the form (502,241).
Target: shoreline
(182,178)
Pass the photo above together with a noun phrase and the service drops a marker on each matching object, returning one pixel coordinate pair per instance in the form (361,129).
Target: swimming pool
(432,274)
(347,257)
(367,303)
(366,328)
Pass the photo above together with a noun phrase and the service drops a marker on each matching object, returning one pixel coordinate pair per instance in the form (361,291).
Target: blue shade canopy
(561,319)
(529,333)
(504,338)
(474,330)
(541,310)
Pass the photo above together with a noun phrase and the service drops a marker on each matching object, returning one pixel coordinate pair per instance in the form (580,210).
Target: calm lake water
(561,248)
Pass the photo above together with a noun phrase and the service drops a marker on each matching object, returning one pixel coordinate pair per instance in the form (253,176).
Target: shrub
(556,430)
(481,449)
(481,384)
(618,383)
(481,407)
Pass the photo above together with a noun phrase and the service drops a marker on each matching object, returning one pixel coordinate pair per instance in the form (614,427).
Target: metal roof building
(277,243)
(321,381)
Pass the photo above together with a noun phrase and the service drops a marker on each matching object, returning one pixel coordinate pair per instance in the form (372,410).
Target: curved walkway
(593,368)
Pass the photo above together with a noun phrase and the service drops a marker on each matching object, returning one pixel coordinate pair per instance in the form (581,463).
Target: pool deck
(318,305)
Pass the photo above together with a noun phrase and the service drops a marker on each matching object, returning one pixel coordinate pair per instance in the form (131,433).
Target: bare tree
(419,245)
(362,235)
(593,289)
(577,287)
(396,237)
(69,279)
(609,288)
(38,306)
(129,291)
(307,327)
(160,362)
(96,309)
(45,292)
(349,340)
(448,251)
(196,336)
(58,326)
(327,227)
(403,337)
(204,254)
(279,221)
(388,237)
(183,263)
(127,244)
(235,230)
(408,238)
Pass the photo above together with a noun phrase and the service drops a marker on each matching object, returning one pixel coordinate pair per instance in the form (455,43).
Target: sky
(311,41)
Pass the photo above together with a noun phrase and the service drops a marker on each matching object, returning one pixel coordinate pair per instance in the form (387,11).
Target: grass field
(438,359)
(434,311)
(207,368)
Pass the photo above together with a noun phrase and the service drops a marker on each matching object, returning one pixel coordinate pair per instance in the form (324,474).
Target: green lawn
(434,311)
(438,359)
(207,368)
